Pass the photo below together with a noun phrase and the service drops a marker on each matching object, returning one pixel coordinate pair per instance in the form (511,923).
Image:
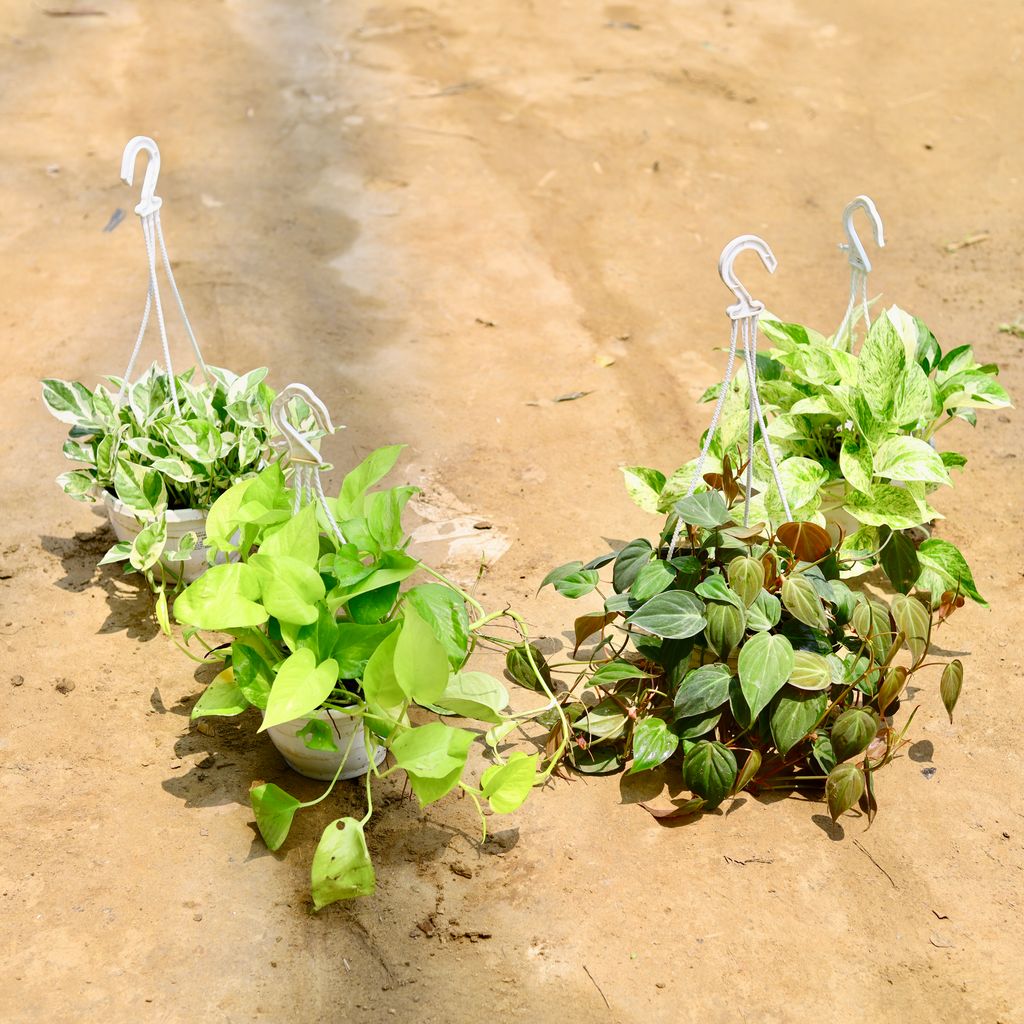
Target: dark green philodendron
(157,459)
(742,658)
(855,436)
(320,623)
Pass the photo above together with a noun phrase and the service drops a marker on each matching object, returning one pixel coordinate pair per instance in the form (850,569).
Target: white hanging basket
(323,764)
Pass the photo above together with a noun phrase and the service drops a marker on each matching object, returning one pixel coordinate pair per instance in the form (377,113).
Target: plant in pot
(344,665)
(160,458)
(160,450)
(737,655)
(732,645)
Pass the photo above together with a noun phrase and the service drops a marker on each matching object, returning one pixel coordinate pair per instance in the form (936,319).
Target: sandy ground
(439,216)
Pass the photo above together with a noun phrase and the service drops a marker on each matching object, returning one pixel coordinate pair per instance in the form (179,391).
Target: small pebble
(17,680)
(197,917)
(928,772)
(64,686)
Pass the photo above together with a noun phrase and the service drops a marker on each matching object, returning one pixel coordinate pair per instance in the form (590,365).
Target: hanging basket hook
(854,247)
(746,306)
(143,144)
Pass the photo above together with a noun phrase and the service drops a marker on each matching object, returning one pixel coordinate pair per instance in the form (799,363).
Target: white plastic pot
(323,764)
(179,523)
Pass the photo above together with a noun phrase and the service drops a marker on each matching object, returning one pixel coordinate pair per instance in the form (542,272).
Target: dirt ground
(440,216)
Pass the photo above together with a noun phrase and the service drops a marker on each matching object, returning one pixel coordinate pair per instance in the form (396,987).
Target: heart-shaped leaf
(808,541)
(300,687)
(951,685)
(675,614)
(274,810)
(765,664)
(710,772)
(653,744)
(342,868)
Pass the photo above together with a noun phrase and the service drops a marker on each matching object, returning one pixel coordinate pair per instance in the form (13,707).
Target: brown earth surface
(441,216)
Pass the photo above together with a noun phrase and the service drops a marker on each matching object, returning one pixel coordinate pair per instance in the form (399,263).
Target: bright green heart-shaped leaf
(355,645)
(224,597)
(765,664)
(811,671)
(300,687)
(794,714)
(507,786)
(421,662)
(444,611)
(342,869)
(702,690)
(274,810)
(432,751)
(379,681)
(675,614)
(222,521)
(317,735)
(321,636)
(290,588)
(298,538)
(474,695)
(252,674)
(709,770)
(358,481)
(222,697)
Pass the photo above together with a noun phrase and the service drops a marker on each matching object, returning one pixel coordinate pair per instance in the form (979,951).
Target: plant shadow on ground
(128,597)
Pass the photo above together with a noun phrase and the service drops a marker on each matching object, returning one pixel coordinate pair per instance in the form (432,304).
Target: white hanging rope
(746,312)
(153,236)
(303,457)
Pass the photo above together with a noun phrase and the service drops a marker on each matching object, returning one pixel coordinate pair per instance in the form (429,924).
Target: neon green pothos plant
(317,622)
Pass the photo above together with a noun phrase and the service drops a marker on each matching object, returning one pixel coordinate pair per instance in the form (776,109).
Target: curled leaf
(808,541)
(951,685)
(852,731)
(843,788)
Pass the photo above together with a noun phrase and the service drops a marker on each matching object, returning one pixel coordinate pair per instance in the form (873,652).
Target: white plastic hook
(746,306)
(143,144)
(299,447)
(854,247)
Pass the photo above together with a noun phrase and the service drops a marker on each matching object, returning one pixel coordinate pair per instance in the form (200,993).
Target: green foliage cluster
(317,622)
(743,658)
(154,460)
(854,436)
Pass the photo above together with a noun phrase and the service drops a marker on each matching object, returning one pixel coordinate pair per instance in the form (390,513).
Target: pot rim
(177,515)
